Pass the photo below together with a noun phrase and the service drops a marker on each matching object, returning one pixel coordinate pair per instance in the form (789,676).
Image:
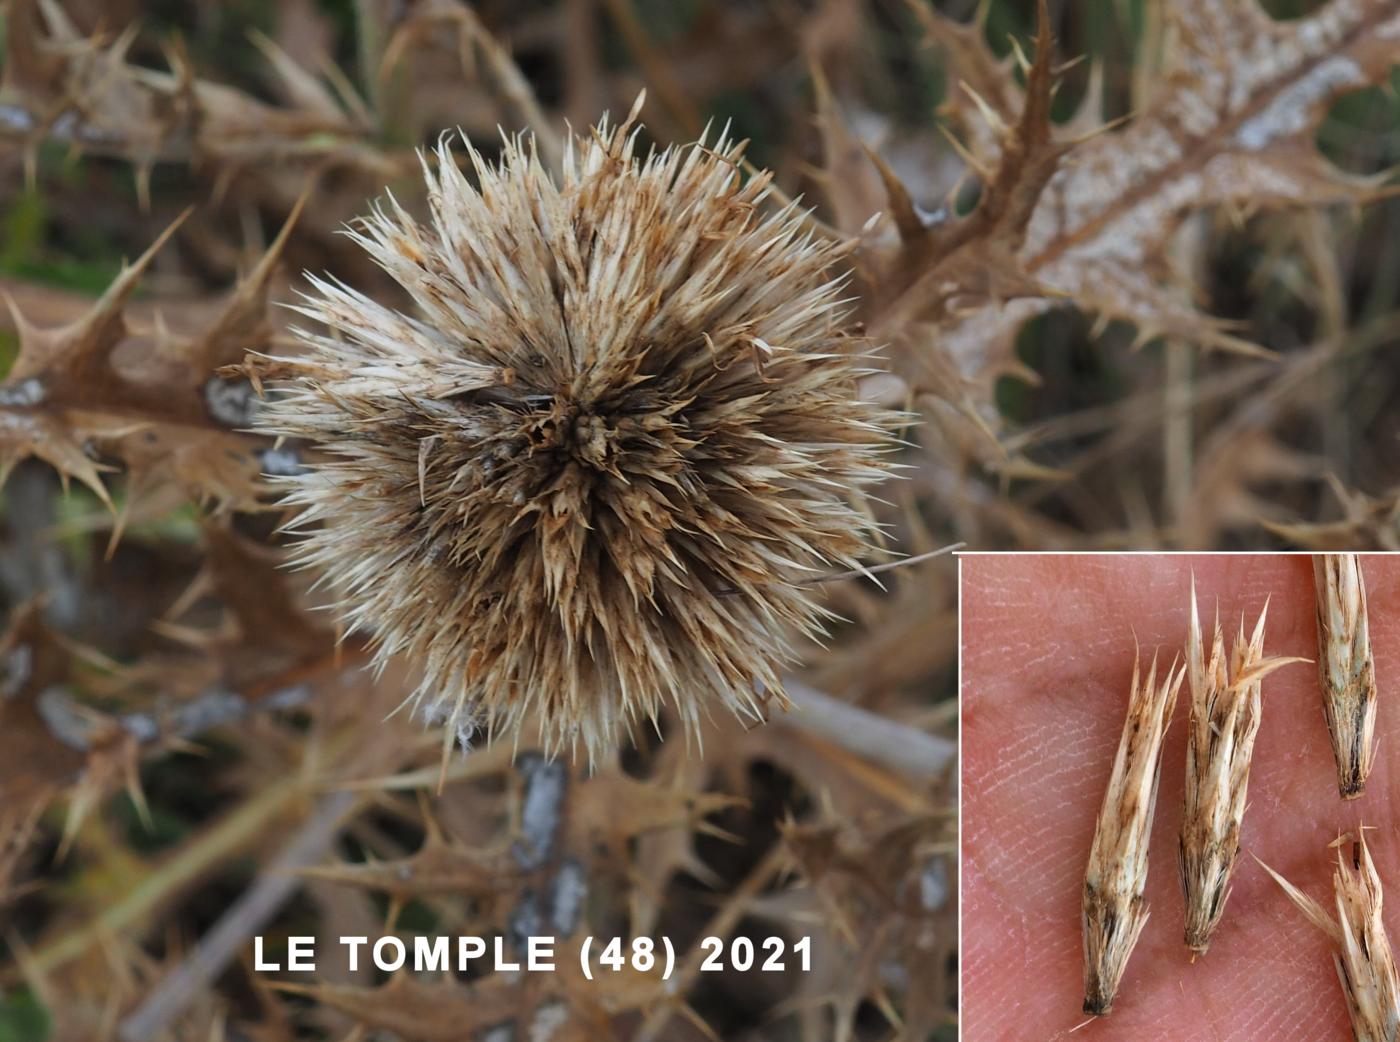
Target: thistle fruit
(1226,708)
(596,468)
(1361,947)
(1114,909)
(1346,670)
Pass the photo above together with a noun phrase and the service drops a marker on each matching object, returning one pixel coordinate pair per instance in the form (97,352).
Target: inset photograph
(1178,807)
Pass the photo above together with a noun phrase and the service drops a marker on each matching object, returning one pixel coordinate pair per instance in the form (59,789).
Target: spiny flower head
(597,468)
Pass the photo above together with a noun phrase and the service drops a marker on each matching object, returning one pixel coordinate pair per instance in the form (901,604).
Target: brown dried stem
(876,738)
(244,918)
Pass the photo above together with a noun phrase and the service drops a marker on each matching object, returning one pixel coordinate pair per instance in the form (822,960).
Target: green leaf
(23,1019)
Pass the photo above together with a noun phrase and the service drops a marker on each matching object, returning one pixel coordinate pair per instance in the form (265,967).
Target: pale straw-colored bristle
(1226,706)
(1114,907)
(1363,958)
(1346,670)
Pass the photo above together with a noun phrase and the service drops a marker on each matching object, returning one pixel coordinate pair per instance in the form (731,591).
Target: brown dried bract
(1363,958)
(1114,908)
(1345,668)
(1225,714)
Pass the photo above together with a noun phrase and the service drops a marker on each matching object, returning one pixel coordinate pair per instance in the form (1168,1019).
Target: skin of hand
(1046,664)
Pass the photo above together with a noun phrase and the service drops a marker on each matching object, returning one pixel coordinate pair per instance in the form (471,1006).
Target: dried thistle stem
(1225,713)
(1114,908)
(1346,670)
(1362,957)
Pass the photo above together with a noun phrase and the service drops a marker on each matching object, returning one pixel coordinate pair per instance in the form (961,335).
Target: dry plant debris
(1115,910)
(1365,966)
(1226,707)
(1346,670)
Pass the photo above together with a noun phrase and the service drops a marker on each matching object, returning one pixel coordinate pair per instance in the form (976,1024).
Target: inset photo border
(1097,793)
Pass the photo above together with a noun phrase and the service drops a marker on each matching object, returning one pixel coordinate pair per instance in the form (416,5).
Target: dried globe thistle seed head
(591,474)
(1115,910)
(1365,966)
(1345,668)
(1226,704)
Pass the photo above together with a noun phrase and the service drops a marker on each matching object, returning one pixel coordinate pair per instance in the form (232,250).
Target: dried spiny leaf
(438,867)
(442,1011)
(1114,908)
(1232,124)
(948,267)
(1225,714)
(61,85)
(588,479)
(982,96)
(875,893)
(34,764)
(943,269)
(612,809)
(1363,958)
(1371,522)
(269,617)
(73,365)
(163,410)
(1346,670)
(558,1005)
